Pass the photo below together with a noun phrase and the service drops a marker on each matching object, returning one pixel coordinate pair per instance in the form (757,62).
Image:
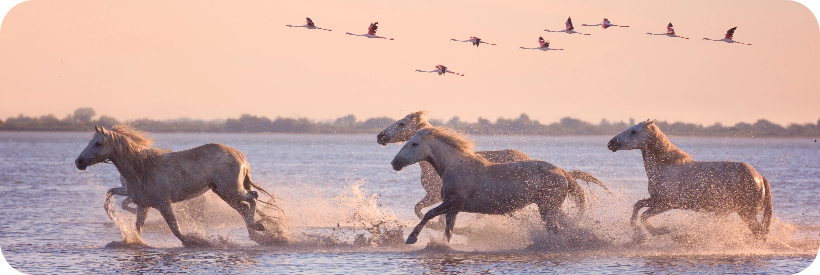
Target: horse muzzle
(613,145)
(382,139)
(397,164)
(81,164)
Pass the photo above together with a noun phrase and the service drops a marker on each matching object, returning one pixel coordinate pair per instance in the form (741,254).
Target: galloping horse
(403,129)
(156,178)
(472,184)
(678,182)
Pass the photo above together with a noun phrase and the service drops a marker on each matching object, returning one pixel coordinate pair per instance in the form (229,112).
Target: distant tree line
(83,120)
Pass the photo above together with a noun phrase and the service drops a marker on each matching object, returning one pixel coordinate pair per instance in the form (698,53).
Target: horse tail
(576,192)
(581,175)
(248,183)
(767,207)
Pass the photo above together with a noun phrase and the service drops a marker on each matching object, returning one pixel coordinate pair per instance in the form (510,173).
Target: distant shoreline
(82,121)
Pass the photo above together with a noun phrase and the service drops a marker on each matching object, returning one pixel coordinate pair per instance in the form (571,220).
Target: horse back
(503,156)
(188,173)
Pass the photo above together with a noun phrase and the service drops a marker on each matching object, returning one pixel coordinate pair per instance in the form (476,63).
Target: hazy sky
(220,59)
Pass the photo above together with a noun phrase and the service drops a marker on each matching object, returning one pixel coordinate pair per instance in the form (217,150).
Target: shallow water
(330,187)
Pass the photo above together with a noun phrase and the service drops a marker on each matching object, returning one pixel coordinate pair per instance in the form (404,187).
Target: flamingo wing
(731,33)
(372,29)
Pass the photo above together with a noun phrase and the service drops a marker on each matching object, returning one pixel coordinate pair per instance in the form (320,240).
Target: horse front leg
(442,208)
(168,214)
(636,208)
(451,223)
(654,210)
(637,233)
(142,213)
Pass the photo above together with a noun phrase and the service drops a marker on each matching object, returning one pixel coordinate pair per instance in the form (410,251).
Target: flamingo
(440,69)
(309,25)
(569,28)
(605,24)
(475,40)
(669,32)
(545,46)
(371,32)
(728,38)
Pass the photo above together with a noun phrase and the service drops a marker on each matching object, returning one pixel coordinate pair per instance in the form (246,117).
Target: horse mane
(452,138)
(664,151)
(134,146)
(419,116)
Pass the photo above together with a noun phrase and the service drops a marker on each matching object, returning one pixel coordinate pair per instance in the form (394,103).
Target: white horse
(472,184)
(155,178)
(678,182)
(404,129)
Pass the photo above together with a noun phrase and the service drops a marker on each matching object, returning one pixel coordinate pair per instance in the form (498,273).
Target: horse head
(416,149)
(403,129)
(98,150)
(636,137)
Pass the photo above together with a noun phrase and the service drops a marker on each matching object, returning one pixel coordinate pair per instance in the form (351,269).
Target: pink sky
(219,59)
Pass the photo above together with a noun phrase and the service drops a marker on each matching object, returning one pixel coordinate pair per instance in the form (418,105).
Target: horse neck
(444,157)
(660,152)
(128,160)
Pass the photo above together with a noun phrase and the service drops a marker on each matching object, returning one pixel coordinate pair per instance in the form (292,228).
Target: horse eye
(401,124)
(633,132)
(97,143)
(414,144)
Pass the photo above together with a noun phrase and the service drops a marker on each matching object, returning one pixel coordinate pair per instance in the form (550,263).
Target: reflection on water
(342,202)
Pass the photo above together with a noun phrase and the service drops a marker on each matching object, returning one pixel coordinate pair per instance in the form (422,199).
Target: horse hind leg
(750,218)
(246,211)
(552,217)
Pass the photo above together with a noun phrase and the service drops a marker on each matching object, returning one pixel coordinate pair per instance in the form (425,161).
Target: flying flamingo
(475,40)
(440,69)
(371,32)
(569,28)
(728,38)
(545,46)
(605,24)
(669,32)
(309,25)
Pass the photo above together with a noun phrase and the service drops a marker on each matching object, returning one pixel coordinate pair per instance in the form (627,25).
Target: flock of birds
(543,45)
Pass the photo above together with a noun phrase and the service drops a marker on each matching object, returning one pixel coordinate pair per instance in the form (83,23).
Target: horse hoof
(411,240)
(258,226)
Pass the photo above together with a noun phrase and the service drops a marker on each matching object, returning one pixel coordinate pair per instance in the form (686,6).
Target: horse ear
(96,128)
(653,121)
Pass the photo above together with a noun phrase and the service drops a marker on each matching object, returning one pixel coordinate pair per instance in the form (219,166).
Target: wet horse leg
(243,209)
(142,213)
(451,222)
(636,208)
(551,217)
(750,218)
(654,210)
(168,214)
(444,207)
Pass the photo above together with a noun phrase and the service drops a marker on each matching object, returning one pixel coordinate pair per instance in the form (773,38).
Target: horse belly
(500,201)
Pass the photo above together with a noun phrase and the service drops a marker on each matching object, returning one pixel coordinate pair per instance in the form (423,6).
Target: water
(333,187)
